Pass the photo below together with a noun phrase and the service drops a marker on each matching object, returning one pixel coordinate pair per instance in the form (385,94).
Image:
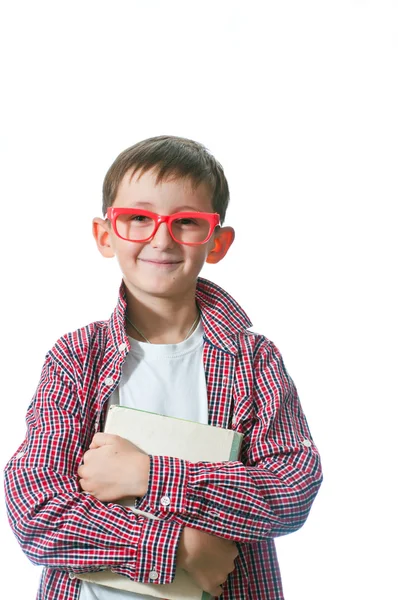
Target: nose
(162,238)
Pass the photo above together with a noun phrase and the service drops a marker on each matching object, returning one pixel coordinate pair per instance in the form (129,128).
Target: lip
(161,262)
(161,265)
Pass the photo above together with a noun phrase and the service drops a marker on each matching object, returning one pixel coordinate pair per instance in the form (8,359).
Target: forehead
(172,193)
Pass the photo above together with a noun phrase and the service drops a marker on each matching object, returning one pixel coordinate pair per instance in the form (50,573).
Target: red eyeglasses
(136,225)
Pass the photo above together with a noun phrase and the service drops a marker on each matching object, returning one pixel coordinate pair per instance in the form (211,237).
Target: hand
(207,558)
(114,468)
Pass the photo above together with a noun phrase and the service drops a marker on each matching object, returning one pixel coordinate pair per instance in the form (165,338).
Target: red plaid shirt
(267,493)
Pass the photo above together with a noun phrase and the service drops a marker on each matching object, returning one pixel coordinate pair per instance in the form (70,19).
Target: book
(160,435)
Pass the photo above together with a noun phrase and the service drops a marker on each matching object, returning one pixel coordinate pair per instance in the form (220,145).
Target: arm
(271,491)
(114,468)
(56,523)
(207,558)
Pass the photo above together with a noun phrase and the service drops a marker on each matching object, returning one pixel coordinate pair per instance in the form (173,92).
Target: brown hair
(169,156)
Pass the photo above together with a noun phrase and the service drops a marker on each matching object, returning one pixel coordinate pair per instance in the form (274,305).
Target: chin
(158,287)
(162,287)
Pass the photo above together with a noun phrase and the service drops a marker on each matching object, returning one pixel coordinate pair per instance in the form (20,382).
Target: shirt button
(72,576)
(214,514)
(122,347)
(153,575)
(165,501)
(20,454)
(307,443)
(109,381)
(234,421)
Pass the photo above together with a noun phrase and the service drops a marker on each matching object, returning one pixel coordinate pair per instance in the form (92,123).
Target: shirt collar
(222,317)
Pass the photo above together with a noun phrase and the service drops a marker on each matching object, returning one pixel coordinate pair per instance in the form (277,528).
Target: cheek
(197,256)
(126,259)
(127,252)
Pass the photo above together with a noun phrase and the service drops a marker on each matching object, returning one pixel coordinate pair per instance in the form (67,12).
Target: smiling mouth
(161,262)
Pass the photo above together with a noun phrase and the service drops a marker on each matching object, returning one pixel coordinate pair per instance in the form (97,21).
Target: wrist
(181,550)
(144,468)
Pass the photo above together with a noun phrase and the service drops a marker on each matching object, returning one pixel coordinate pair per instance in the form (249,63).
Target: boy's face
(161,267)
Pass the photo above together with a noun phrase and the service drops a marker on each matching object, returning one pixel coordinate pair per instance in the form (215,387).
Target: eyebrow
(149,205)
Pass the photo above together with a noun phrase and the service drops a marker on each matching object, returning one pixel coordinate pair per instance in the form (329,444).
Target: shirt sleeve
(56,523)
(269,492)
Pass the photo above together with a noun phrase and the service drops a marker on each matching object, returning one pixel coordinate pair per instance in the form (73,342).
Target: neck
(160,320)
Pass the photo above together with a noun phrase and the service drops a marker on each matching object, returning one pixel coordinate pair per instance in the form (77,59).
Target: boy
(178,345)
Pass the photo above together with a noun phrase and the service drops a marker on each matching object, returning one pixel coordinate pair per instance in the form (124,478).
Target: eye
(186,221)
(139,218)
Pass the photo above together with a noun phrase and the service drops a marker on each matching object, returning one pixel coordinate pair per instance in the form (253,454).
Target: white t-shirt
(168,379)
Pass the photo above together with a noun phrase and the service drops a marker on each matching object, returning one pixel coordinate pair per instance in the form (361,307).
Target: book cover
(166,436)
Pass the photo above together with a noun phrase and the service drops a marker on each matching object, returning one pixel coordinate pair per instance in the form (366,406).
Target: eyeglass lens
(140,227)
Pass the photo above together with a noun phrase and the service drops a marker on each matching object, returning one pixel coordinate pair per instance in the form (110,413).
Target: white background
(298,101)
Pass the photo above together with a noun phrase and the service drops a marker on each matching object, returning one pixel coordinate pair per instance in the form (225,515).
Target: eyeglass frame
(213,219)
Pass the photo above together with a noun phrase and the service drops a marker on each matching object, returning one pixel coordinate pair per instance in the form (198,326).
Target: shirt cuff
(156,556)
(167,488)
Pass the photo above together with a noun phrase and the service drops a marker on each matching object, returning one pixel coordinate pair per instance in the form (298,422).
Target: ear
(102,235)
(222,243)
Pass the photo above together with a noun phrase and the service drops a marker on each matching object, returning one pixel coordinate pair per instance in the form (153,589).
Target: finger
(102,439)
(96,441)
(82,484)
(217,591)
(86,457)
